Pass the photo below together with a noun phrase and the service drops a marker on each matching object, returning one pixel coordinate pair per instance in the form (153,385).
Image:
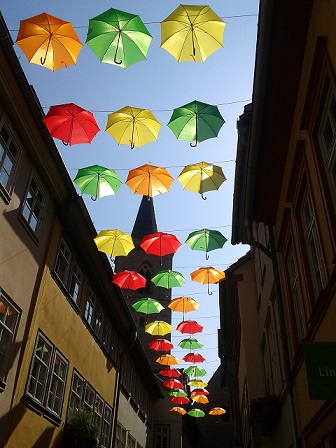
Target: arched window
(146,272)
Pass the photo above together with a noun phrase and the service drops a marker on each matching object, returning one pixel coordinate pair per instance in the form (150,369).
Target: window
(120,436)
(98,321)
(146,272)
(9,317)
(131,442)
(47,376)
(161,436)
(8,157)
(34,203)
(90,307)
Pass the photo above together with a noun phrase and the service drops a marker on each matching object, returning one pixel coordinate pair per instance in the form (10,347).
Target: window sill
(41,410)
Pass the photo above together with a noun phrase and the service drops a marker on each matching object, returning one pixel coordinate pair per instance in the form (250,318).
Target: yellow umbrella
(149,180)
(48,41)
(158,328)
(133,126)
(114,242)
(197,383)
(217,411)
(200,399)
(201,177)
(207,275)
(192,33)
(176,410)
(167,360)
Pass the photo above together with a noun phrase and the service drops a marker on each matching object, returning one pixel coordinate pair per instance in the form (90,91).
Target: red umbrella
(189,326)
(193,357)
(200,391)
(180,400)
(160,244)
(129,280)
(161,345)
(71,124)
(170,372)
(173,384)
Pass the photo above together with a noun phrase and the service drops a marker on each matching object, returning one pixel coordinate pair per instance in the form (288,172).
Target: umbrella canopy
(207,275)
(183,304)
(133,126)
(217,411)
(170,372)
(129,280)
(193,357)
(196,413)
(206,240)
(196,122)
(168,279)
(196,382)
(114,242)
(167,360)
(161,345)
(201,177)
(173,384)
(177,411)
(189,327)
(118,37)
(149,180)
(158,328)
(160,244)
(195,371)
(180,400)
(192,33)
(200,391)
(71,124)
(48,41)
(147,306)
(177,393)
(190,344)
(97,181)
(202,399)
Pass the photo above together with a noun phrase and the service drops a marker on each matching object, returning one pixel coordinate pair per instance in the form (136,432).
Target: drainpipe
(117,390)
(284,351)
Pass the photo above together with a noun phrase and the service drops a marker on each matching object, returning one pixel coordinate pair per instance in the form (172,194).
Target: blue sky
(159,84)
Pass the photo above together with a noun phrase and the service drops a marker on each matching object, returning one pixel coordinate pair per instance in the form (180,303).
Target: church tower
(147,265)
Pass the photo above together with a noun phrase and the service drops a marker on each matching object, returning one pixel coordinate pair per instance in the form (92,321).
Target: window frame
(7,191)
(36,200)
(156,433)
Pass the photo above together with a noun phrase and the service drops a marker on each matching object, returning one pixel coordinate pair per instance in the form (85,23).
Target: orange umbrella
(202,399)
(167,360)
(217,411)
(183,304)
(207,275)
(149,180)
(177,411)
(48,41)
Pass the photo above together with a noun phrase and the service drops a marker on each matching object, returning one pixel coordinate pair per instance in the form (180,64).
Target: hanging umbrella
(114,242)
(195,371)
(133,126)
(192,33)
(201,177)
(199,391)
(168,279)
(97,181)
(160,244)
(173,384)
(196,413)
(149,180)
(190,343)
(170,372)
(48,41)
(177,411)
(147,306)
(193,357)
(177,393)
(183,304)
(189,326)
(161,345)
(196,382)
(158,328)
(118,37)
(196,122)
(180,400)
(206,240)
(207,275)
(201,399)
(129,280)
(71,124)
(167,360)
(217,411)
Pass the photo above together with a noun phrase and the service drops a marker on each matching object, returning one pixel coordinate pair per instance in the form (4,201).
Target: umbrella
(196,382)
(170,372)
(190,343)
(149,180)
(97,181)
(196,413)
(158,328)
(114,242)
(199,391)
(129,280)
(202,399)
(167,360)
(48,41)
(207,275)
(168,279)
(183,304)
(177,393)
(180,400)
(192,33)
(195,122)
(71,124)
(147,306)
(217,411)
(160,244)
(161,345)
(201,177)
(173,384)
(133,126)
(195,371)
(193,357)
(189,326)
(206,240)
(177,411)
(118,37)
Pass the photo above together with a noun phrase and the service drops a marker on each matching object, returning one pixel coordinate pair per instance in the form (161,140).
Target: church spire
(145,222)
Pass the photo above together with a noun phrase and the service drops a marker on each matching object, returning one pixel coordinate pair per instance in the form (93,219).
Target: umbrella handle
(65,143)
(203,197)
(193,145)
(132,145)
(115,60)
(94,198)
(115,54)
(207,256)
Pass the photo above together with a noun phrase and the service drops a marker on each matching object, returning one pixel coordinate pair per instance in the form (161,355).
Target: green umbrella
(195,371)
(168,279)
(97,181)
(196,412)
(118,37)
(206,240)
(190,343)
(147,306)
(195,122)
(177,393)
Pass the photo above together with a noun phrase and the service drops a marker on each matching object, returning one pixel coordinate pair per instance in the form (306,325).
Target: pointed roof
(145,222)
